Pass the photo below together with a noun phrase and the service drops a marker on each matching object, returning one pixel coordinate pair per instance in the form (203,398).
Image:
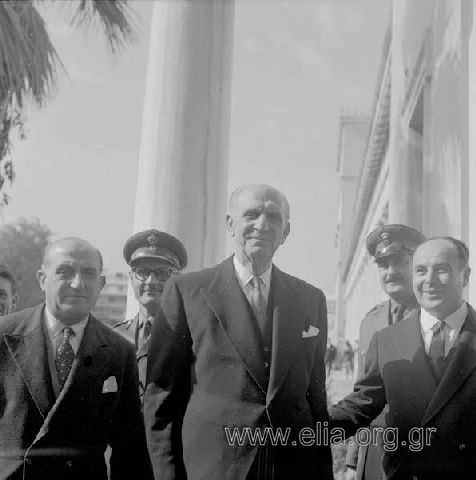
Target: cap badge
(153,240)
(385,238)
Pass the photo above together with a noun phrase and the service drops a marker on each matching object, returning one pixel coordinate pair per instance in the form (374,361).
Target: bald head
(75,243)
(258,189)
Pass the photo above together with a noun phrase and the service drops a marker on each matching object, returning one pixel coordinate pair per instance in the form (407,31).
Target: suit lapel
(462,363)
(288,325)
(411,347)
(91,360)
(29,351)
(232,310)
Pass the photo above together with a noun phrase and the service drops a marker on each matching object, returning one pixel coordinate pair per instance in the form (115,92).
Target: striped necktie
(258,303)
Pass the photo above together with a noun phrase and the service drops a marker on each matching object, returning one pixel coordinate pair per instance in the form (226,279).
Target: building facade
(112,302)
(418,166)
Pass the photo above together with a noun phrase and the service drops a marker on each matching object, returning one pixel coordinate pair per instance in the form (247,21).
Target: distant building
(418,166)
(331,319)
(111,305)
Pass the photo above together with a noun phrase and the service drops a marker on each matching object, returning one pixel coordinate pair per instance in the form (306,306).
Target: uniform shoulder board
(377,308)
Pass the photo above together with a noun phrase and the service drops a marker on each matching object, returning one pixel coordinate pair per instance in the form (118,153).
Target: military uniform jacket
(129,329)
(44,437)
(206,374)
(397,372)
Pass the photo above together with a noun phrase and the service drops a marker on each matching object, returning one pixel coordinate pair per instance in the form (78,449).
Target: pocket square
(312,331)
(109,385)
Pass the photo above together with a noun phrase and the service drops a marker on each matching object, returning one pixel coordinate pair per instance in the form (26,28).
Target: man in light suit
(239,349)
(68,384)
(154,257)
(425,369)
(392,247)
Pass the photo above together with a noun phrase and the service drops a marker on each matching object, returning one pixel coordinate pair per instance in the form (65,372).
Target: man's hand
(350,474)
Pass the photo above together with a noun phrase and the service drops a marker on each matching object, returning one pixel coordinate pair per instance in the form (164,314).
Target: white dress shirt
(453,322)
(54,328)
(245,279)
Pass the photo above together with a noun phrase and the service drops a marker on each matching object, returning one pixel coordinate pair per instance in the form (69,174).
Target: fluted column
(183,160)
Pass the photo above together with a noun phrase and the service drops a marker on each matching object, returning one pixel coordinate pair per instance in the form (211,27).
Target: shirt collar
(55,326)
(246,276)
(454,321)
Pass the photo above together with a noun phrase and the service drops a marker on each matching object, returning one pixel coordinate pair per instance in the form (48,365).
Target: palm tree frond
(27,57)
(115,17)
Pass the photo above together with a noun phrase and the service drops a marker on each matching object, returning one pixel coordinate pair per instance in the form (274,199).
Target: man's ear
(102,282)
(41,277)
(14,303)
(466,275)
(287,229)
(229,225)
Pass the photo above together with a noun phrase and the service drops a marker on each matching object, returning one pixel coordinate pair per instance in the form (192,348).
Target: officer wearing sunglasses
(153,257)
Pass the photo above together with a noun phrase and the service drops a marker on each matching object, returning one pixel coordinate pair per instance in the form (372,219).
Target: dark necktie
(146,330)
(64,356)
(399,313)
(436,353)
(258,303)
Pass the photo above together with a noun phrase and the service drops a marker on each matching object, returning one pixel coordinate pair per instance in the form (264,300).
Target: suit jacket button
(461,446)
(266,348)
(69,463)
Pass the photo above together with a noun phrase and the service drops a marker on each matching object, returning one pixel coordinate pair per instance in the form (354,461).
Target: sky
(297,65)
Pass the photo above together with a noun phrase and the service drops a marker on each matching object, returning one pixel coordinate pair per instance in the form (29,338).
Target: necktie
(399,313)
(64,356)
(258,303)
(436,353)
(147,330)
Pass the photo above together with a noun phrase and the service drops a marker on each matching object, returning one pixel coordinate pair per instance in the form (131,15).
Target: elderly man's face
(7,299)
(71,280)
(258,223)
(148,277)
(439,277)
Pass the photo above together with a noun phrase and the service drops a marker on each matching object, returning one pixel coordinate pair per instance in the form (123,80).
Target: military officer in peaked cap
(153,257)
(392,247)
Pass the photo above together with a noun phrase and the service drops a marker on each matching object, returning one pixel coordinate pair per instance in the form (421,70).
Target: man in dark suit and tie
(153,257)
(425,369)
(68,384)
(238,349)
(392,247)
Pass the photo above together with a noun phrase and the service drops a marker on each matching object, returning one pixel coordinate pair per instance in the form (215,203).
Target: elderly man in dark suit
(392,247)
(68,384)
(425,369)
(238,350)
(153,257)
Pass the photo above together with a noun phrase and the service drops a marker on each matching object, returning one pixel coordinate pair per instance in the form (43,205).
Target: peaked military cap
(393,239)
(155,244)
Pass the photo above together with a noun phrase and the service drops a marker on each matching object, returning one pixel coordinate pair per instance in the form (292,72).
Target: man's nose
(77,280)
(151,278)
(261,222)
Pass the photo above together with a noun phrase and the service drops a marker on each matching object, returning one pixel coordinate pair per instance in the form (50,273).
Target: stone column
(183,160)
(468,199)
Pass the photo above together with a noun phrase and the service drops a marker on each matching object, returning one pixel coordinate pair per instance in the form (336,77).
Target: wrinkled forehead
(435,251)
(73,254)
(260,198)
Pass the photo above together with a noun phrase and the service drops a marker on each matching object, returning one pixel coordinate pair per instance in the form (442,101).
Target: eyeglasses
(161,274)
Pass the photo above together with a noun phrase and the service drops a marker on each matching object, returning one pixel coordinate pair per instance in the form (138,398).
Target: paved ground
(338,385)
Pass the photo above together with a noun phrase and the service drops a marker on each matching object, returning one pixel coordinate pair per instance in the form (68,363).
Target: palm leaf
(27,57)
(115,16)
